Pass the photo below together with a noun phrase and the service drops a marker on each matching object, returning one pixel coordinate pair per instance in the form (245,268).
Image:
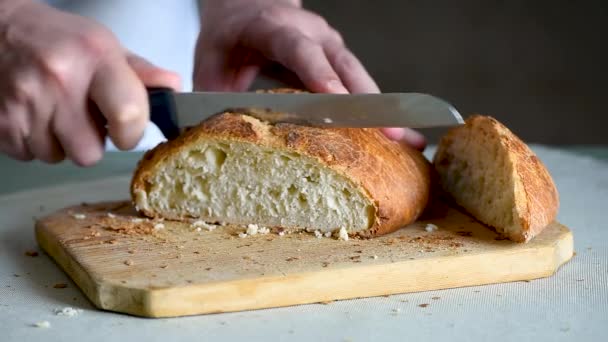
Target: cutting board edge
(96,289)
(161,302)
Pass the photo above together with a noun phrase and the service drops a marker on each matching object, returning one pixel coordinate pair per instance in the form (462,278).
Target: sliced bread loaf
(495,176)
(237,169)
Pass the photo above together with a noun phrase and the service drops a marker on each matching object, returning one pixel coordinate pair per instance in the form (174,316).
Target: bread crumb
(374,257)
(327,234)
(129,262)
(318,234)
(110,215)
(159,226)
(60,286)
(137,220)
(342,234)
(202,224)
(252,229)
(42,324)
(79,216)
(435,298)
(431,228)
(243,235)
(396,310)
(328,120)
(263,230)
(423,305)
(281,233)
(68,311)
(31,253)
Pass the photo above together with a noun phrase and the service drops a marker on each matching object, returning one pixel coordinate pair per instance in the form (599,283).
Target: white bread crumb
(79,216)
(328,120)
(243,235)
(159,226)
(110,215)
(281,233)
(318,234)
(327,234)
(42,324)
(431,227)
(68,311)
(137,220)
(252,229)
(202,224)
(374,257)
(342,234)
(263,230)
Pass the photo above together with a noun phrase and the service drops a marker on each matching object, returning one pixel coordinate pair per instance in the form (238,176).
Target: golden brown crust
(394,176)
(536,197)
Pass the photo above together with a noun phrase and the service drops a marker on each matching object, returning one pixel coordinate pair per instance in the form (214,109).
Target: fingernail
(335,86)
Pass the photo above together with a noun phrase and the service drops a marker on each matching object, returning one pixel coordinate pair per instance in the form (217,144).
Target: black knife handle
(163,111)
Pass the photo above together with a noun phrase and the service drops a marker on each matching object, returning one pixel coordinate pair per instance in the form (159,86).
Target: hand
(65,81)
(239,37)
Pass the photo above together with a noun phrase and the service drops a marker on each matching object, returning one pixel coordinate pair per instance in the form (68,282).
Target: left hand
(240,37)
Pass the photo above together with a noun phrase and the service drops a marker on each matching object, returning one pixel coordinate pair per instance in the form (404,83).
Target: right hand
(65,81)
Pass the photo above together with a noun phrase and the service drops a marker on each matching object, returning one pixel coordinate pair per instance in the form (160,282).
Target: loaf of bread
(237,169)
(495,176)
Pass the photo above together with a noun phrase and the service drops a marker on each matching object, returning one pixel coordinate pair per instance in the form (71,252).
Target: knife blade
(414,110)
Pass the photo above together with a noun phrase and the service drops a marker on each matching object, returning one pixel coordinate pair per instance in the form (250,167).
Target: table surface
(571,304)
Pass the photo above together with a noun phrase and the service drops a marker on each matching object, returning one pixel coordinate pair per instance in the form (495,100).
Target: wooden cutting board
(173,270)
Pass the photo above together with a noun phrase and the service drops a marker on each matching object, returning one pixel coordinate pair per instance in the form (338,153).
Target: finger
(41,140)
(407,135)
(297,52)
(153,76)
(122,99)
(13,131)
(350,70)
(80,133)
(43,143)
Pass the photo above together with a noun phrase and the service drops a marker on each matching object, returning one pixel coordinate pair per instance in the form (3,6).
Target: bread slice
(495,176)
(237,169)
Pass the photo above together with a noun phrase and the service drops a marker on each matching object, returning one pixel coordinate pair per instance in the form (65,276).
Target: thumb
(153,76)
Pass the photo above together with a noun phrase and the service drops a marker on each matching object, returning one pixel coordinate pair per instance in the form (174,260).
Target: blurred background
(540,67)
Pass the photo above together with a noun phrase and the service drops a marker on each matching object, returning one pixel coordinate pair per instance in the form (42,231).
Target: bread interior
(477,171)
(243,183)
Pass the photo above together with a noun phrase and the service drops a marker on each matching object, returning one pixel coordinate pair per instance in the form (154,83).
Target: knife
(172,111)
